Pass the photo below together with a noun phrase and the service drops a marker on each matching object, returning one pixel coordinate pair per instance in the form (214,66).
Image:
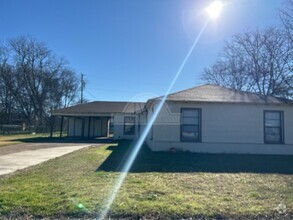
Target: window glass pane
(129,130)
(190,125)
(190,133)
(190,121)
(129,120)
(272,115)
(273,135)
(273,127)
(129,125)
(273,123)
(190,113)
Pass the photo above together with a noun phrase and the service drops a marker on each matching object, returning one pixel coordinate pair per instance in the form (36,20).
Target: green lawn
(160,185)
(6,140)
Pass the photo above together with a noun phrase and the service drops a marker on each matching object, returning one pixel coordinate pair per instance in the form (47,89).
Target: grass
(160,185)
(6,140)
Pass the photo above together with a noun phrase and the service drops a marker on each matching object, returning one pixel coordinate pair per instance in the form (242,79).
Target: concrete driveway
(20,156)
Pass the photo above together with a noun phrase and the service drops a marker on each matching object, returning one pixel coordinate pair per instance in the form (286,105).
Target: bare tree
(230,70)
(286,15)
(37,80)
(66,87)
(6,98)
(259,61)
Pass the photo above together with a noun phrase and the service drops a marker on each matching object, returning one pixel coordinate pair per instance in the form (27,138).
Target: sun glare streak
(214,9)
(125,169)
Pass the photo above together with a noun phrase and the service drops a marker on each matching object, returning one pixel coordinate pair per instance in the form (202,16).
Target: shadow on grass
(63,140)
(148,161)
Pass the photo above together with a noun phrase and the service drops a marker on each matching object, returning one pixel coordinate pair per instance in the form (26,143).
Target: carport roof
(100,108)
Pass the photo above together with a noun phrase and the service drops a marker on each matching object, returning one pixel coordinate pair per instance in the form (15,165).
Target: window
(273,127)
(190,125)
(129,125)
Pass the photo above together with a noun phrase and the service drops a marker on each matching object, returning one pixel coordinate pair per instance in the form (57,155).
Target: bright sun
(214,9)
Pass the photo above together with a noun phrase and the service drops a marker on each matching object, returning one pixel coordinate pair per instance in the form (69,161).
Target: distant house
(208,118)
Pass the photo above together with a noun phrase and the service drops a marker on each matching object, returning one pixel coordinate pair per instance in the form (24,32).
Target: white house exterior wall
(226,128)
(118,120)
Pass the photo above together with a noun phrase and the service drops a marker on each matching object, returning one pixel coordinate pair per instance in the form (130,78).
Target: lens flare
(81,206)
(126,167)
(214,9)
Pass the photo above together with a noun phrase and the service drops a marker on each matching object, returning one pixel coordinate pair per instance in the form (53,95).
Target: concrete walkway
(21,156)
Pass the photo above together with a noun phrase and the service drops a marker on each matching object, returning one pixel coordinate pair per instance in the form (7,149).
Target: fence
(22,128)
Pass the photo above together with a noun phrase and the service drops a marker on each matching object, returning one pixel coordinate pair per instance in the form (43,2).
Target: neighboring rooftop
(215,93)
(101,107)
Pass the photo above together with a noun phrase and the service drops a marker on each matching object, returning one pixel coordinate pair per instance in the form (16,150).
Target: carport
(88,126)
(92,119)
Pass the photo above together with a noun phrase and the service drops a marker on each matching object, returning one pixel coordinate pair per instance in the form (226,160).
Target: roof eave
(225,102)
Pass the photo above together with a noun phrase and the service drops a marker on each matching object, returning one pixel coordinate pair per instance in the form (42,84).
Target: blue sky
(131,49)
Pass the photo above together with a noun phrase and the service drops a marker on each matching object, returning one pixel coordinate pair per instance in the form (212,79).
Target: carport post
(89,127)
(52,125)
(83,127)
(61,126)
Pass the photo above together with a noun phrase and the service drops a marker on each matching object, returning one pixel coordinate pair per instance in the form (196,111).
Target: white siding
(119,126)
(226,128)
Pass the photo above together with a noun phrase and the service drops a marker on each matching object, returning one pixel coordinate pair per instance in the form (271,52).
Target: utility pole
(81,88)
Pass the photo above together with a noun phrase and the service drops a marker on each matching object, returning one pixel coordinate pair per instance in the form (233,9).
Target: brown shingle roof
(205,93)
(101,107)
(215,93)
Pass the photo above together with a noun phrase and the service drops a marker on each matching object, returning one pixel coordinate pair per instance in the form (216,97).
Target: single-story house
(207,118)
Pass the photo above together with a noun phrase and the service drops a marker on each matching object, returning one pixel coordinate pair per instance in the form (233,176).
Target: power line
(91,94)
